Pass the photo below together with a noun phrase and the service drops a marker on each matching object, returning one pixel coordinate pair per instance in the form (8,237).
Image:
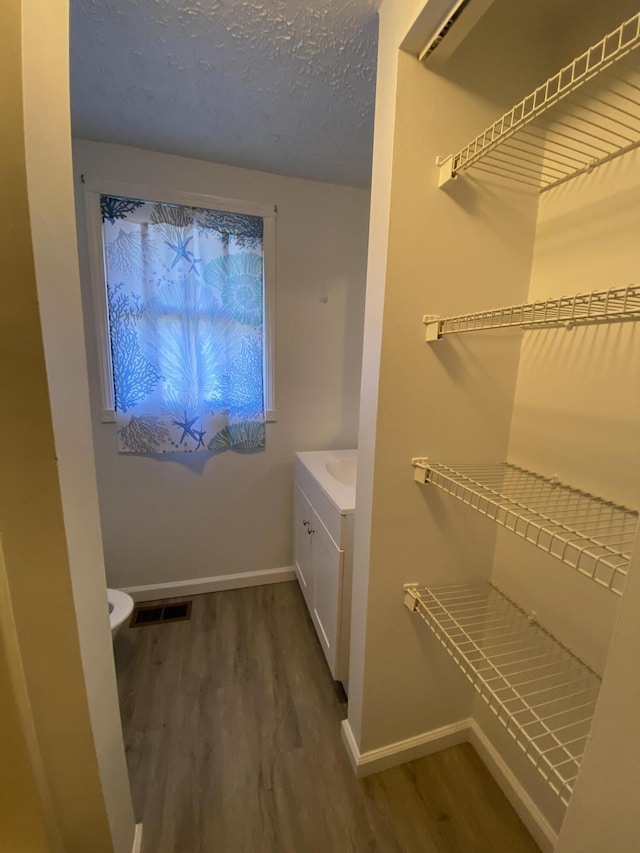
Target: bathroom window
(183,288)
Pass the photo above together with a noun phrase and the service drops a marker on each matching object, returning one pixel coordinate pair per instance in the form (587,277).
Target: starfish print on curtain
(185,302)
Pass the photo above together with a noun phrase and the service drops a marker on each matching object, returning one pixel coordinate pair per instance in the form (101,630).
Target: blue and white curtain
(185,303)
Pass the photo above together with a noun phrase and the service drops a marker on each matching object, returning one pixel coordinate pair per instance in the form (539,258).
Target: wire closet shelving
(586,114)
(615,303)
(588,533)
(540,691)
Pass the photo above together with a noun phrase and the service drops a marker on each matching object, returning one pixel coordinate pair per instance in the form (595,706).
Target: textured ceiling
(284,86)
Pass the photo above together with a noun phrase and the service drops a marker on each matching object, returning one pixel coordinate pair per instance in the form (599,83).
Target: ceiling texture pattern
(285,86)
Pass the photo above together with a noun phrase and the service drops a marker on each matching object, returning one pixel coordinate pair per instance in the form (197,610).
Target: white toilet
(120,608)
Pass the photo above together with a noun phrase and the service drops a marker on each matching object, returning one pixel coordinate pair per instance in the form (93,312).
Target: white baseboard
(375,760)
(137,839)
(539,827)
(197,586)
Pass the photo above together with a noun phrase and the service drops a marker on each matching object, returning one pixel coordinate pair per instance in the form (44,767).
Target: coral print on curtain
(185,301)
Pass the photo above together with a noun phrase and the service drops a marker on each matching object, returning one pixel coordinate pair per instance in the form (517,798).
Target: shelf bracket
(420,469)
(445,173)
(433,327)
(410,601)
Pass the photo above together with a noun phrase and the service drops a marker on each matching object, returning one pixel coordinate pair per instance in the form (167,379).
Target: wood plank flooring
(232,731)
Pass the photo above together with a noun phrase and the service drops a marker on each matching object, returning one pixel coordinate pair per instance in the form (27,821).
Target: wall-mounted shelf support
(586,114)
(420,469)
(432,324)
(445,170)
(540,692)
(591,535)
(598,306)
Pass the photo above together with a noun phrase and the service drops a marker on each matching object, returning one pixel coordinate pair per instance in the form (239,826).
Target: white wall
(395,20)
(576,411)
(181,517)
(451,402)
(78,794)
(577,415)
(603,815)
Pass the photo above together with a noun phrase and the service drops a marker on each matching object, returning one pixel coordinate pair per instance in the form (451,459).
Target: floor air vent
(158,614)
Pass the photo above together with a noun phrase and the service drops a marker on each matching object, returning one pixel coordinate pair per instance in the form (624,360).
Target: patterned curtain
(185,303)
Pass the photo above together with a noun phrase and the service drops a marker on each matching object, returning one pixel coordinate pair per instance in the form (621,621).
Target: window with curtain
(185,302)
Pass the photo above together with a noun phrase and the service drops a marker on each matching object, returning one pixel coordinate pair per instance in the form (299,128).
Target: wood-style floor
(232,730)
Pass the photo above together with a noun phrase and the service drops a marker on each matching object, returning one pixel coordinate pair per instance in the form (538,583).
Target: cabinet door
(303,515)
(327,561)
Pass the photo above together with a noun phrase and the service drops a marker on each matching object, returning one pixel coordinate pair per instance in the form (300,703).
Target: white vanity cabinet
(303,514)
(322,543)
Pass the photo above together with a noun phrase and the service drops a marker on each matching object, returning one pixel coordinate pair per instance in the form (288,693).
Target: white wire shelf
(615,303)
(540,692)
(586,114)
(591,535)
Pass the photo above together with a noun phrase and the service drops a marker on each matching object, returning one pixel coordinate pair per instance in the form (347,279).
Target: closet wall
(447,252)
(557,401)
(457,402)
(576,413)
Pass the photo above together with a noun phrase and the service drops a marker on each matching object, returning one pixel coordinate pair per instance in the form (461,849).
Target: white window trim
(93,188)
